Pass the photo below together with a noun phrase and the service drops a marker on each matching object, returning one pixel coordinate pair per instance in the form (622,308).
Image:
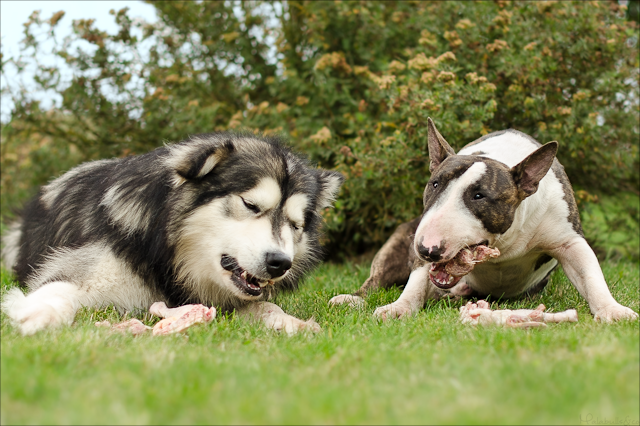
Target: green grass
(425,369)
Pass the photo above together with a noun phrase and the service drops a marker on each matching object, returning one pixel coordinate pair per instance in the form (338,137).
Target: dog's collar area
(246,282)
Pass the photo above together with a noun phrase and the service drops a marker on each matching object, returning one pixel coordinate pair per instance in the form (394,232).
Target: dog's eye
(251,206)
(435,184)
(478,196)
(295,226)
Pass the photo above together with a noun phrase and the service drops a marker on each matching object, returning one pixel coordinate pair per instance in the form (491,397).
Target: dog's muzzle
(246,282)
(433,254)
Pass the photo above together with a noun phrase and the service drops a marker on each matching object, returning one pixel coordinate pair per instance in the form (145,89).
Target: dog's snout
(434,254)
(277,264)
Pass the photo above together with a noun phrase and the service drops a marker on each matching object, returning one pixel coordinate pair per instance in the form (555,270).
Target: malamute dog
(220,219)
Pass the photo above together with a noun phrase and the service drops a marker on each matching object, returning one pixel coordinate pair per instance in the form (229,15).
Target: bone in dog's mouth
(246,282)
(447,274)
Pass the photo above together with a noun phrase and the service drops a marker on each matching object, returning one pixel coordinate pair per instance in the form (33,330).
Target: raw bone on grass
(175,320)
(466,259)
(481,313)
(133,326)
(180,318)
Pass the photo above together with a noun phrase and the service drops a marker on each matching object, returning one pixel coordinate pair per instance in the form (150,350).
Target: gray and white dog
(220,219)
(505,191)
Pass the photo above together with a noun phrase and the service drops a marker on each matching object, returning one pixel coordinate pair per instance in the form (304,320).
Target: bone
(177,320)
(133,326)
(161,310)
(467,258)
(481,313)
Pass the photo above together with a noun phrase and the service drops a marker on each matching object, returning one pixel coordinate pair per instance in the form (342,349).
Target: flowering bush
(351,84)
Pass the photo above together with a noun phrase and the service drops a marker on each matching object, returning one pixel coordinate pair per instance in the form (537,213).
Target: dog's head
(250,215)
(472,200)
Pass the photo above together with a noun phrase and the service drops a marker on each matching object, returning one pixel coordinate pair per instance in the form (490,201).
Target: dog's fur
(504,190)
(180,224)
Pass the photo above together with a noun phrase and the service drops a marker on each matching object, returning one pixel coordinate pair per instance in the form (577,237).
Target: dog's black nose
(434,254)
(277,264)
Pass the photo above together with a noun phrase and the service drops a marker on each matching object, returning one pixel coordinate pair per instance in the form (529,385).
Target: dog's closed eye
(249,205)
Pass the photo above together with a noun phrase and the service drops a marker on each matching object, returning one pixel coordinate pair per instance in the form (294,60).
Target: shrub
(351,84)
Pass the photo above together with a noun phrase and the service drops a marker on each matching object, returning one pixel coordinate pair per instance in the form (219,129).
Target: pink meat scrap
(481,313)
(448,274)
(133,326)
(179,319)
(467,258)
(175,320)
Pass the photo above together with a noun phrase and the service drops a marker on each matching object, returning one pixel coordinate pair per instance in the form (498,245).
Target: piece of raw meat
(448,274)
(466,259)
(133,326)
(481,313)
(179,319)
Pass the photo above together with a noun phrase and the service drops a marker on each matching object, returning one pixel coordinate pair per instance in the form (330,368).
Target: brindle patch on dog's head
(493,199)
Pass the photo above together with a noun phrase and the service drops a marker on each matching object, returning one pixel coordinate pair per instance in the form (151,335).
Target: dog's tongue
(446,275)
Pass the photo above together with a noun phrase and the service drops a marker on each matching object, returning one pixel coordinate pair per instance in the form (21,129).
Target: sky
(13,13)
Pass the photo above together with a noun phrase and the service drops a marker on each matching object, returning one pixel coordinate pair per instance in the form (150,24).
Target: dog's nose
(277,264)
(434,254)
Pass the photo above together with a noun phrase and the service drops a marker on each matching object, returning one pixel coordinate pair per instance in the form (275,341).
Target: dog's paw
(393,311)
(349,299)
(615,312)
(31,316)
(292,325)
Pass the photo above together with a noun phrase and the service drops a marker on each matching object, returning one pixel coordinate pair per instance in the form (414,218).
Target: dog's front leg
(275,318)
(412,299)
(583,270)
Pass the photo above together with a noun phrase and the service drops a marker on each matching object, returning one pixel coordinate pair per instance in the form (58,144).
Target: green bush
(351,84)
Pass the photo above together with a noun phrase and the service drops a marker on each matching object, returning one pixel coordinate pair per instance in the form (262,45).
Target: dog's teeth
(244,275)
(433,272)
(264,283)
(450,280)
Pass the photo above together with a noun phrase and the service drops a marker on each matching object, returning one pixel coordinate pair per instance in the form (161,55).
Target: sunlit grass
(425,369)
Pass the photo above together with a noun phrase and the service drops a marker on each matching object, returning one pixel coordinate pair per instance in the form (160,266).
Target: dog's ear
(196,158)
(438,148)
(330,183)
(528,174)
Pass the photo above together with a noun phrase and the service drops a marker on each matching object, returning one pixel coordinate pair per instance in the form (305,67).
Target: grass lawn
(425,369)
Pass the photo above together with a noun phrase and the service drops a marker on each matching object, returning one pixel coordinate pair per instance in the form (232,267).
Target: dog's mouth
(246,282)
(447,274)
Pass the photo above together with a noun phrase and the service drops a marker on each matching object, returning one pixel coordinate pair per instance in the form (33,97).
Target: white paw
(349,299)
(292,325)
(615,312)
(31,316)
(392,311)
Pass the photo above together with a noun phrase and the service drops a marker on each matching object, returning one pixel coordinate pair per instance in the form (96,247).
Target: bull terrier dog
(498,217)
